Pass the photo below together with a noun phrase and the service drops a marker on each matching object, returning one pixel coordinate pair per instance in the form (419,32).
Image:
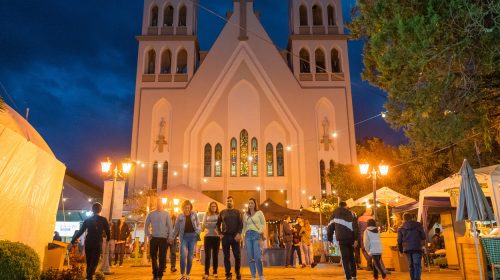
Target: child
(296,244)
(373,246)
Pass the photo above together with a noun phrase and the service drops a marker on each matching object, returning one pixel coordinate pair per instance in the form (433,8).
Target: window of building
(322,174)
(150,62)
(280,160)
(168,17)
(207,163)
(319,56)
(335,61)
(164,181)
(218,160)
(255,157)
(154,16)
(233,156)
(305,66)
(303,15)
(331,15)
(317,15)
(182,15)
(182,62)
(269,159)
(166,62)
(243,153)
(154,182)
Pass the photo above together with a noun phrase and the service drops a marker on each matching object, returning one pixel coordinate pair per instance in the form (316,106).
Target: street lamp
(383,169)
(115,174)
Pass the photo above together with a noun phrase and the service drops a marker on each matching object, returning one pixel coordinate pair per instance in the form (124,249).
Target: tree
(439,62)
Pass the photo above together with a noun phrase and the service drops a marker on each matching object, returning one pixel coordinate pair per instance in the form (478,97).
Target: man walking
(95,227)
(230,225)
(121,233)
(410,238)
(172,247)
(287,240)
(160,234)
(344,224)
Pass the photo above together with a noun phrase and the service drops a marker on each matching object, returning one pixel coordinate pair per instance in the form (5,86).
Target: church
(243,119)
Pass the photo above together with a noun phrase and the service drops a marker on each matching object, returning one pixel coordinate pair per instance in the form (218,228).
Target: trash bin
(54,255)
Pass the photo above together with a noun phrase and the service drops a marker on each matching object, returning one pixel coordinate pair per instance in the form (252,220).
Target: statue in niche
(325,139)
(161,142)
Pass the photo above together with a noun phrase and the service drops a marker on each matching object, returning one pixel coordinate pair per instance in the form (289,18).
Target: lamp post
(116,174)
(383,169)
(314,206)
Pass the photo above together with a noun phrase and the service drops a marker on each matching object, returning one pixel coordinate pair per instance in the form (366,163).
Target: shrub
(73,273)
(18,261)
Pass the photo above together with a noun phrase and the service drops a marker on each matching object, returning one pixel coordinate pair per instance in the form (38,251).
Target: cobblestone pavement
(322,271)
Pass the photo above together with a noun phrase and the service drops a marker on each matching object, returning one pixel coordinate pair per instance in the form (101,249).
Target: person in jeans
(212,239)
(121,233)
(410,238)
(373,247)
(296,243)
(230,225)
(187,227)
(95,226)
(160,234)
(172,247)
(254,224)
(360,249)
(344,224)
(287,236)
(305,237)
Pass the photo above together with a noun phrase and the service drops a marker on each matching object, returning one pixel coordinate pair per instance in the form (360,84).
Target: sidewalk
(321,272)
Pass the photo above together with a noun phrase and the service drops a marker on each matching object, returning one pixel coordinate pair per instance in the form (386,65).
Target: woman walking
(212,239)
(305,235)
(187,227)
(254,224)
(373,246)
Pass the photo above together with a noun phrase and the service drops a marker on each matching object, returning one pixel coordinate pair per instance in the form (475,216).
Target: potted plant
(317,251)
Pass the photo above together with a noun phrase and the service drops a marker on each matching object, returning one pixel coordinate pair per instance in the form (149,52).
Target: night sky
(73,63)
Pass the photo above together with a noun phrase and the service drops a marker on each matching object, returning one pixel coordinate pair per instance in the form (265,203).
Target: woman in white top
(373,246)
(254,224)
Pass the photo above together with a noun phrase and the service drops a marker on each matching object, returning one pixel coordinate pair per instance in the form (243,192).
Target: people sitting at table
(437,241)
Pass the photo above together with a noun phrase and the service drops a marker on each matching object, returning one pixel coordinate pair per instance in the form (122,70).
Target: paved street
(322,271)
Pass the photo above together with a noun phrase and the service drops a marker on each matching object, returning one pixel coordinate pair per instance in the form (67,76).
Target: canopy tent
(31,180)
(274,211)
(386,196)
(183,192)
(488,177)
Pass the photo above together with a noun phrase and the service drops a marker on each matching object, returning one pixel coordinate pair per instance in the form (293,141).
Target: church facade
(243,119)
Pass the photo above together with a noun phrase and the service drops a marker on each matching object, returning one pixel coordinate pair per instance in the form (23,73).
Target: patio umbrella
(472,204)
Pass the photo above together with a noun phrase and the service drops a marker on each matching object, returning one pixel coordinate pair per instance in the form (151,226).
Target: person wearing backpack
(254,224)
(373,246)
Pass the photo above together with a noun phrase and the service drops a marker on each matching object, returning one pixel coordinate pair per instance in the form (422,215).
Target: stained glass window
(207,165)
(255,157)
(322,174)
(154,182)
(269,159)
(164,181)
(280,161)
(233,156)
(218,160)
(243,153)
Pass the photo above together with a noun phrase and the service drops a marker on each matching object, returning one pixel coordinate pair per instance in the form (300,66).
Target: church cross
(243,21)
(161,142)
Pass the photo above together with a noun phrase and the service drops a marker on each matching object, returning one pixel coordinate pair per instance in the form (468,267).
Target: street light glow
(126,167)
(288,148)
(363,168)
(105,166)
(185,165)
(334,134)
(175,173)
(383,168)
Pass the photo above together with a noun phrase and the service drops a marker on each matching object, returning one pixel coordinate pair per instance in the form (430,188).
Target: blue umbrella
(472,204)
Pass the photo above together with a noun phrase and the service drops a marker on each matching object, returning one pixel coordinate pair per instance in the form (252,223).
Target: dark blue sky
(73,63)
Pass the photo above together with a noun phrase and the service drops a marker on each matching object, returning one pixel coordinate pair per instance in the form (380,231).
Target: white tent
(488,177)
(387,196)
(31,180)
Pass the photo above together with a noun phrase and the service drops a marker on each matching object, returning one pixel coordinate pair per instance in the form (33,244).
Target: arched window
(182,62)
(207,162)
(218,160)
(331,15)
(280,161)
(320,61)
(305,66)
(269,159)
(164,181)
(322,174)
(154,16)
(168,16)
(255,157)
(335,61)
(303,15)
(150,62)
(182,15)
(243,153)
(154,182)
(317,15)
(233,155)
(166,62)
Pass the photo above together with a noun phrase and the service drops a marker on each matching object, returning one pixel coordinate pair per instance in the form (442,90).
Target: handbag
(262,237)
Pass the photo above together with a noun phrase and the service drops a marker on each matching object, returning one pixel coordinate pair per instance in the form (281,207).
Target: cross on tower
(243,20)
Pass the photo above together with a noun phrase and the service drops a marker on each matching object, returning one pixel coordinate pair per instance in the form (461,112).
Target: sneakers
(238,277)
(229,277)
(303,265)
(182,277)
(173,270)
(187,277)
(313,265)
(205,277)
(216,276)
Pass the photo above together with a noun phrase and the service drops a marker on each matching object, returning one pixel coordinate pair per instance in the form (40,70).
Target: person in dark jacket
(95,227)
(121,233)
(230,225)
(344,224)
(287,238)
(57,237)
(410,238)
